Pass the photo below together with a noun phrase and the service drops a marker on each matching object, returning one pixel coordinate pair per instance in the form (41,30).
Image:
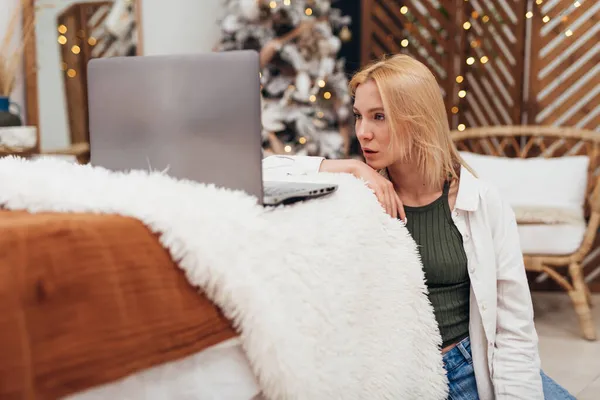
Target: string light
(321,83)
(475,14)
(327,95)
(568,33)
(308,11)
(320,114)
(71,73)
(287,2)
(467,26)
(484,59)
(474,43)
(454,110)
(63,66)
(76,49)
(529,14)
(485,19)
(462,94)
(461,127)
(538,2)
(459,79)
(546,19)
(576,4)
(62,29)
(403,10)
(404,43)
(302,140)
(273,4)
(288,149)
(470,61)
(62,39)
(92,41)
(313,98)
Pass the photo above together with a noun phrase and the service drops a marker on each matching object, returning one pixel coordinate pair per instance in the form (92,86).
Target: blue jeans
(461,376)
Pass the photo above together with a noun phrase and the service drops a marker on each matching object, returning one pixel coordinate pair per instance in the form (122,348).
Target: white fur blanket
(328,295)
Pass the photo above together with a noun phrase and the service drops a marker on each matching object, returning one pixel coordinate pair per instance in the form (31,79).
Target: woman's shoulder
(483,194)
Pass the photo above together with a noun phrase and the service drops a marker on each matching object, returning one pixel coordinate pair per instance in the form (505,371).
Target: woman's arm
(280,167)
(516,364)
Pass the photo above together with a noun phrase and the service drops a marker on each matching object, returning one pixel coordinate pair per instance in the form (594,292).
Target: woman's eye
(356,116)
(379,117)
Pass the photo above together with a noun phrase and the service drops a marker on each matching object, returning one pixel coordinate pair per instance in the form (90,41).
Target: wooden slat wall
(535,72)
(564,85)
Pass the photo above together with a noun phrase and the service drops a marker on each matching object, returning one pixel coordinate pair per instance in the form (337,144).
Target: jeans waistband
(458,354)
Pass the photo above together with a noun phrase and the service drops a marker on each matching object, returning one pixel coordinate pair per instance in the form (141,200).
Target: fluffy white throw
(328,295)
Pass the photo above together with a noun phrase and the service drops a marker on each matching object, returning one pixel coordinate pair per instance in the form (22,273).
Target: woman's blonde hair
(416,114)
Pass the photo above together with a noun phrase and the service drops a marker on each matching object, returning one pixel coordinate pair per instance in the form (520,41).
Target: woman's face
(372,128)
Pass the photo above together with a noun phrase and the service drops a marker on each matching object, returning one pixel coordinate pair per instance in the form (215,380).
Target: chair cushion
(557,239)
(542,190)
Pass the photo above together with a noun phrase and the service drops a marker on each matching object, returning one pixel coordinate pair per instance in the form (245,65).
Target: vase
(7,118)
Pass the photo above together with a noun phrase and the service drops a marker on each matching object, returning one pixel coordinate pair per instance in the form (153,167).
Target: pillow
(540,190)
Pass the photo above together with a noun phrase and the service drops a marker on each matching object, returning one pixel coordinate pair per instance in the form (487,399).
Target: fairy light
(62,29)
(302,140)
(404,43)
(538,2)
(313,98)
(403,10)
(467,26)
(308,11)
(546,19)
(71,73)
(576,4)
(470,61)
(461,127)
(484,59)
(320,114)
(462,94)
(321,83)
(62,39)
(454,110)
(475,14)
(327,95)
(287,2)
(568,33)
(485,19)
(76,49)
(459,79)
(474,43)
(529,15)
(273,4)
(288,149)
(92,41)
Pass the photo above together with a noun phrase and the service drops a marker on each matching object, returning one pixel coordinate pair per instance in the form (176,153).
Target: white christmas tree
(306,104)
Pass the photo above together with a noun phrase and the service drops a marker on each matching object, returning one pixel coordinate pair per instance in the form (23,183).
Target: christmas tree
(306,107)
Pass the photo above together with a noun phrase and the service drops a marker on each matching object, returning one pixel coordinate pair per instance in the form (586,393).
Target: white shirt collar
(467,198)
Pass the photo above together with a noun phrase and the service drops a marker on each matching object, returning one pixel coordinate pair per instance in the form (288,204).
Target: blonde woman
(467,235)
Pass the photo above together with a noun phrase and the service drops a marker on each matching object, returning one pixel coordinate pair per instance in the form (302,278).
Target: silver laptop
(197,116)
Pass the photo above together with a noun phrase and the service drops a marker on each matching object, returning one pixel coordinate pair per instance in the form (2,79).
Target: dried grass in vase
(10,58)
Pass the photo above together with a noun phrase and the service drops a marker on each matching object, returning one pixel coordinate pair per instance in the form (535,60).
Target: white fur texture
(329,294)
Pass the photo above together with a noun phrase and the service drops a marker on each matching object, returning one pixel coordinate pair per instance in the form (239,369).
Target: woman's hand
(383,188)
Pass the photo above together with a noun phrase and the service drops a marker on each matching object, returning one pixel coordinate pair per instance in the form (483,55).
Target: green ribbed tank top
(445,265)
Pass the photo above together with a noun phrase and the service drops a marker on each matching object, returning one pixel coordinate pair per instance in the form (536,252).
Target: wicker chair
(543,141)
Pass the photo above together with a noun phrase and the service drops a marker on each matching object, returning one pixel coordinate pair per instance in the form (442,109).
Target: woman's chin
(375,164)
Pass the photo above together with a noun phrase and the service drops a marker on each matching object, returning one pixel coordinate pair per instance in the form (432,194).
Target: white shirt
(504,342)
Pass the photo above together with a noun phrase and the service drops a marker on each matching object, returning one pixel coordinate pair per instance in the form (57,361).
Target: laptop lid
(199,115)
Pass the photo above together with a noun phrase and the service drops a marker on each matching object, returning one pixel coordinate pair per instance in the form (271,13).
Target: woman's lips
(369,152)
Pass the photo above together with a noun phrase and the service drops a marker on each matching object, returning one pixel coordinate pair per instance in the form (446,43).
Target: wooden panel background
(565,64)
(518,61)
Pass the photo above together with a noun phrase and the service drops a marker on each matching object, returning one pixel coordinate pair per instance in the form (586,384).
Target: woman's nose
(364,132)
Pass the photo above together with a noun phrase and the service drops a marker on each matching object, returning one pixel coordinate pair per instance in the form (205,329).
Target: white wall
(168,27)
(180,26)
